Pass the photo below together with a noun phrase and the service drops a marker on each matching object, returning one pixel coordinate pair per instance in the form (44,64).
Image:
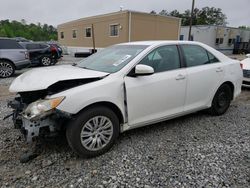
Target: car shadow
(59,143)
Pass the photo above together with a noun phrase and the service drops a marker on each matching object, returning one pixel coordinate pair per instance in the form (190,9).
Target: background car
(40,53)
(246,71)
(56,49)
(12,57)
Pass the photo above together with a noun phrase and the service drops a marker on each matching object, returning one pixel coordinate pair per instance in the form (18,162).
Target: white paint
(42,78)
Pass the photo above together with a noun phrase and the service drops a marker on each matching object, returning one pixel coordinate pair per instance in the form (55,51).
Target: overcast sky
(55,12)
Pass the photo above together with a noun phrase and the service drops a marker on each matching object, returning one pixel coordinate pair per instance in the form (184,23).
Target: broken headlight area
(39,118)
(41,108)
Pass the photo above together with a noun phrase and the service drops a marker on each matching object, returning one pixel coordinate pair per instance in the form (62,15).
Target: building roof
(117,13)
(228,27)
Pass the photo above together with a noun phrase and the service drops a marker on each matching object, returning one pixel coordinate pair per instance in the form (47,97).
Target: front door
(160,95)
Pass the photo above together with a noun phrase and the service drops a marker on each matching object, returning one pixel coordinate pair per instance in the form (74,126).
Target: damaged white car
(123,87)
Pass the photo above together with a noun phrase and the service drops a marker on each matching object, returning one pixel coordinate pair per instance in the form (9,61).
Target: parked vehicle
(124,87)
(246,71)
(21,39)
(12,57)
(40,53)
(56,49)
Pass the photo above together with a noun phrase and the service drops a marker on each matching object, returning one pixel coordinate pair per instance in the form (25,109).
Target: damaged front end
(39,118)
(35,112)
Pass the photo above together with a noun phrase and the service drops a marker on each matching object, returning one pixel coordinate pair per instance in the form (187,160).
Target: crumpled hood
(42,78)
(246,64)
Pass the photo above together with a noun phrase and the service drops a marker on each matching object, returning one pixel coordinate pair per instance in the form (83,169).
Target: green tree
(35,32)
(204,16)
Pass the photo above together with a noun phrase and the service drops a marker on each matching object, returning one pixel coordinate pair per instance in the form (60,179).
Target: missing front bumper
(32,129)
(46,125)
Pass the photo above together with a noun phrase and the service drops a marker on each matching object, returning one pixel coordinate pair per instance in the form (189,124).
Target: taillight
(53,48)
(241,65)
(27,56)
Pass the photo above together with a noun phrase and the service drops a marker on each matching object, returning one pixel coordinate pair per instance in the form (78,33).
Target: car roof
(6,38)
(33,43)
(152,44)
(160,42)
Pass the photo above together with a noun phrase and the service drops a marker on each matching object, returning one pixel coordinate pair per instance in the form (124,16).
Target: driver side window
(162,59)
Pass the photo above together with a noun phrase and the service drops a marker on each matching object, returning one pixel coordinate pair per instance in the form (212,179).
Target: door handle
(219,69)
(180,77)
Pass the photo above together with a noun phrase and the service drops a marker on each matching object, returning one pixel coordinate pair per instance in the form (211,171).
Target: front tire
(221,100)
(93,132)
(7,69)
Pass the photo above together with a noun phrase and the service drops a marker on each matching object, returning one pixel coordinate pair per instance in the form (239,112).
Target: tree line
(35,32)
(204,16)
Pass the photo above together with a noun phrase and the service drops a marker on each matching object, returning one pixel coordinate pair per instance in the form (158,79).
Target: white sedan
(246,71)
(123,87)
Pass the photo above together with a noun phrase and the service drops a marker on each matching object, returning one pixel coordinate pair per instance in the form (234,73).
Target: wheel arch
(231,85)
(5,59)
(109,105)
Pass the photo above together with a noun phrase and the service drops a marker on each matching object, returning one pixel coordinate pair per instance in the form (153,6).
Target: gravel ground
(197,150)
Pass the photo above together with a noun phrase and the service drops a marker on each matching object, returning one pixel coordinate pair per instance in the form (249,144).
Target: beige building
(118,27)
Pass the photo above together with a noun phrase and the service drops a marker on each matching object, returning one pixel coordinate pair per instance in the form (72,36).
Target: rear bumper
(22,64)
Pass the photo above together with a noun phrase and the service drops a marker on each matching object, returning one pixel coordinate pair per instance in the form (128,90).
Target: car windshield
(112,59)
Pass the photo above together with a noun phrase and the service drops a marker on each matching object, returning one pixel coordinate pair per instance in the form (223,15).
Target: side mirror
(248,55)
(143,70)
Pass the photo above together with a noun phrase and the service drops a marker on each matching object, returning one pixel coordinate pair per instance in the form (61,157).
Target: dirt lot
(197,150)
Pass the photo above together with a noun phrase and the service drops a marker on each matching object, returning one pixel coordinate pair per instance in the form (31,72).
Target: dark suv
(12,57)
(40,53)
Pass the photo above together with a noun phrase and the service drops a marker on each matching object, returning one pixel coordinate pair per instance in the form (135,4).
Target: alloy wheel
(46,61)
(96,133)
(6,70)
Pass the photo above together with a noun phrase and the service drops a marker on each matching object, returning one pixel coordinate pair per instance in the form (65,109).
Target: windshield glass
(112,59)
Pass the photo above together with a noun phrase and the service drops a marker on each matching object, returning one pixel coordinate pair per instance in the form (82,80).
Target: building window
(62,35)
(181,37)
(74,34)
(114,30)
(231,41)
(88,32)
(219,41)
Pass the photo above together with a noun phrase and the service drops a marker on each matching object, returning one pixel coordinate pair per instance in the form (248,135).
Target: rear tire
(46,61)
(221,100)
(93,132)
(7,69)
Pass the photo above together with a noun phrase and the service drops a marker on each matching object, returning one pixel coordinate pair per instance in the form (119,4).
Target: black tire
(45,61)
(75,127)
(221,100)
(7,69)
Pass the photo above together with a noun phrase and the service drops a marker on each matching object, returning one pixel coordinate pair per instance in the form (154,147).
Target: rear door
(205,74)
(160,95)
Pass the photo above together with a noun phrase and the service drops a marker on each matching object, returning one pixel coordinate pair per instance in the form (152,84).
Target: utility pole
(191,21)
(93,38)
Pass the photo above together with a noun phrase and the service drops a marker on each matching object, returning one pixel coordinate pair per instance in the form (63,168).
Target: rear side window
(32,46)
(212,58)
(9,44)
(195,55)
(42,46)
